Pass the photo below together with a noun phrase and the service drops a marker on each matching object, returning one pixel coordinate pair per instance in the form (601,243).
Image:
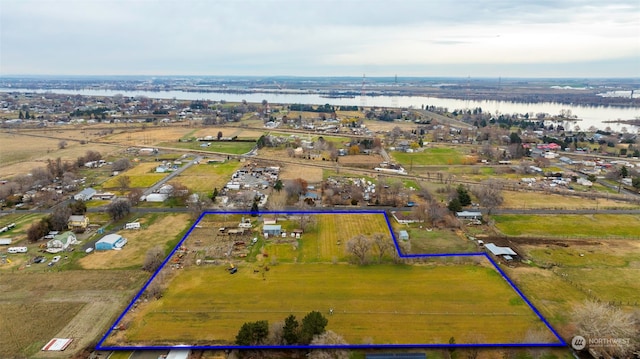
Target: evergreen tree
(454,205)
(290,330)
(312,324)
(463,196)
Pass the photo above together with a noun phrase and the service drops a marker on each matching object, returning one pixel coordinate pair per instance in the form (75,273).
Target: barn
(110,241)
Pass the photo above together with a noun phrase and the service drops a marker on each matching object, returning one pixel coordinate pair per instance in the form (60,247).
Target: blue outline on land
(560,343)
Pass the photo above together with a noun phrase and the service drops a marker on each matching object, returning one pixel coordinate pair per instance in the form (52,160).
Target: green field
(430,156)
(390,304)
(205,177)
(230,147)
(437,241)
(575,226)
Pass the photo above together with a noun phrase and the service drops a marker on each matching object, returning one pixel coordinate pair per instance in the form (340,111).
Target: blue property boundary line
(561,342)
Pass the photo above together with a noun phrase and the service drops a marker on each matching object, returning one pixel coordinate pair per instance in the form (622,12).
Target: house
(403,235)
(77,222)
(272,230)
(505,252)
(85,195)
(105,196)
(473,215)
(61,242)
(404,217)
(111,241)
(269,220)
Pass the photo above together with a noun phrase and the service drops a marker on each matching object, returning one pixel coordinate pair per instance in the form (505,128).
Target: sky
(458,38)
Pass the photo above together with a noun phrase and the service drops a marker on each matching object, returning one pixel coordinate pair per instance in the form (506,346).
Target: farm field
(141,176)
(549,200)
(230,147)
(574,226)
(68,304)
(206,305)
(436,156)
(203,178)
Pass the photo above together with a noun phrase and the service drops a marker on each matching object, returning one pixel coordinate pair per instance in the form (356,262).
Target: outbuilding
(110,241)
(473,215)
(85,195)
(505,252)
(404,235)
(272,229)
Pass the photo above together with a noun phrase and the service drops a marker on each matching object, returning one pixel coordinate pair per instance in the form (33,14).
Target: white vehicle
(55,259)
(132,225)
(89,250)
(17,250)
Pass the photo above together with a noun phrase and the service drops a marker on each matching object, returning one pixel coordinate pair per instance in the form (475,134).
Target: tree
(253,333)
(489,194)
(134,196)
(38,230)
(124,182)
(62,144)
(359,246)
(59,219)
(78,208)
(382,245)
(454,205)
(278,185)
(214,195)
(254,208)
(463,196)
(635,182)
(329,338)
(219,135)
(290,330)
(624,172)
(121,164)
(153,259)
(119,209)
(312,324)
(601,320)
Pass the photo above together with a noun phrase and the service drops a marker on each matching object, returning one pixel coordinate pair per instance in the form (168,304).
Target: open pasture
(433,156)
(230,147)
(203,177)
(570,226)
(387,304)
(522,199)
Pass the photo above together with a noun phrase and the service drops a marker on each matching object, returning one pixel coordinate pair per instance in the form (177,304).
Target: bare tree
(118,209)
(134,196)
(601,320)
(537,336)
(121,164)
(60,218)
(62,144)
(489,194)
(153,259)
(124,182)
(329,338)
(382,245)
(359,246)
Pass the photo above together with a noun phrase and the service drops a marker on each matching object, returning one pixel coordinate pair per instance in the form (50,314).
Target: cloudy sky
(508,38)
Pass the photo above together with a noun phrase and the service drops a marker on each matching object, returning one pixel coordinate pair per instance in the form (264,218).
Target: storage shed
(272,229)
(110,241)
(404,235)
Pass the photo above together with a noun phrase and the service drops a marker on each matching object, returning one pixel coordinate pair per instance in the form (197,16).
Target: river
(587,115)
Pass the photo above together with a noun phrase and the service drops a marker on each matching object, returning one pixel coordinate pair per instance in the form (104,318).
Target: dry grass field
(383,304)
(37,307)
(157,230)
(311,174)
(550,200)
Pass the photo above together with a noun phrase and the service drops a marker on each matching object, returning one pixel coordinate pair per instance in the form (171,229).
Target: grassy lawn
(592,225)
(140,176)
(390,304)
(430,156)
(437,241)
(230,147)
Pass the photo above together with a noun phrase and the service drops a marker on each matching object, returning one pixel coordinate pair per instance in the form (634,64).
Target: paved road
(171,175)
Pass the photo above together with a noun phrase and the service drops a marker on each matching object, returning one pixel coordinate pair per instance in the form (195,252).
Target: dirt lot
(309,173)
(362,161)
(70,304)
(154,232)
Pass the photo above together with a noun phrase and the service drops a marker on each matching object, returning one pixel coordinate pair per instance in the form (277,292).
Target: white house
(61,242)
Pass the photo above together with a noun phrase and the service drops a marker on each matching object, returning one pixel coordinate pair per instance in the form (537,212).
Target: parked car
(39,259)
(55,259)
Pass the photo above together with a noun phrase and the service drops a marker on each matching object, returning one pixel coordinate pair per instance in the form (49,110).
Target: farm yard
(204,305)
